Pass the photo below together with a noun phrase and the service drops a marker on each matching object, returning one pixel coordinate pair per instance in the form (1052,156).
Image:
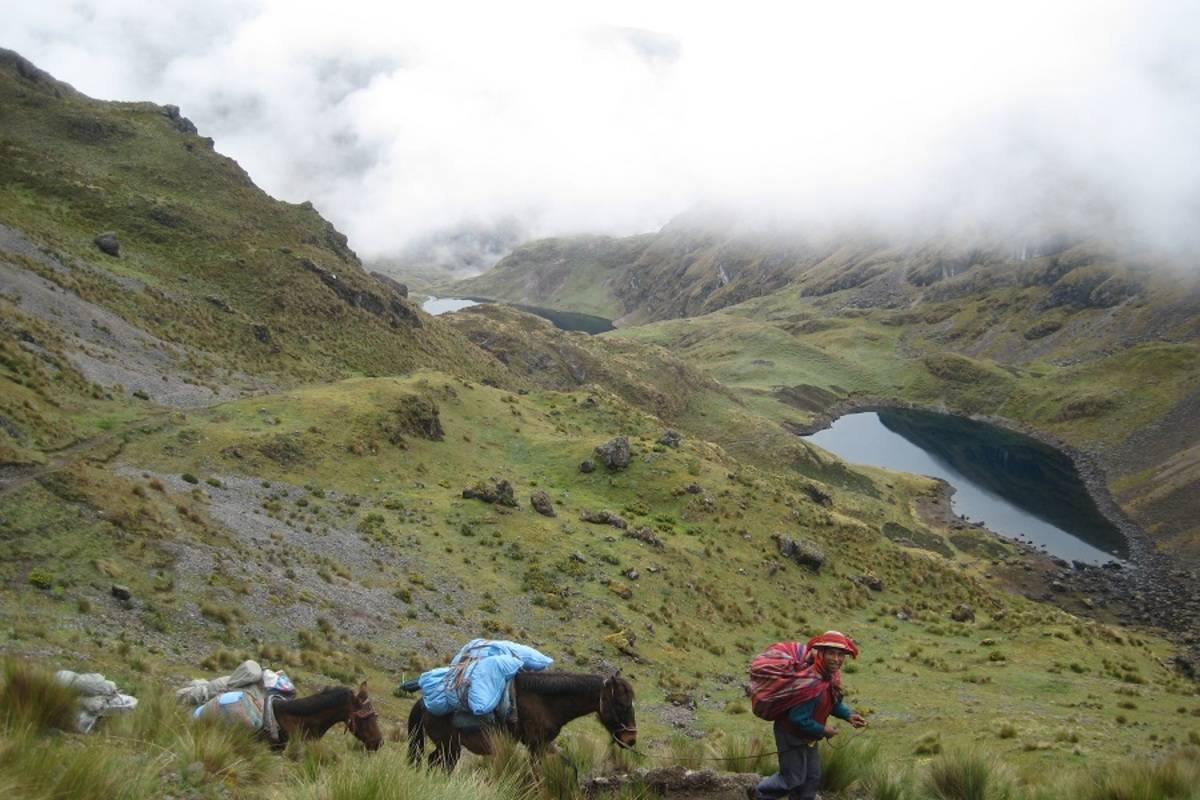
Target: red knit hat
(837,640)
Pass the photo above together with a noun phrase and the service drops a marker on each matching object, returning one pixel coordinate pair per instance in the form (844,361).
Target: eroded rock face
(614,454)
(178,121)
(801,551)
(497,492)
(542,504)
(393,308)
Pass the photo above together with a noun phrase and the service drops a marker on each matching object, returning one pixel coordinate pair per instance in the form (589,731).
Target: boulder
(620,590)
(121,592)
(963,612)
(587,465)
(496,492)
(802,551)
(178,121)
(645,535)
(670,438)
(541,502)
(603,518)
(108,243)
(870,581)
(614,454)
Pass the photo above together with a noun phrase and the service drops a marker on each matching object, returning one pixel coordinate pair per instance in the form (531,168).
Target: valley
(279,456)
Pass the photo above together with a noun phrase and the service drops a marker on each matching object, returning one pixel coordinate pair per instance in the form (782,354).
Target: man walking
(811,686)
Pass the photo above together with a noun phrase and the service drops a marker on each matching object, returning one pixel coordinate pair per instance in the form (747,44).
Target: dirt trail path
(103,447)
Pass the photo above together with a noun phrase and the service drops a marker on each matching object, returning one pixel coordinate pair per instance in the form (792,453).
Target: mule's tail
(416,733)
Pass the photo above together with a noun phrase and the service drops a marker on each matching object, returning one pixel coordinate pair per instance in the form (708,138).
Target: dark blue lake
(1015,485)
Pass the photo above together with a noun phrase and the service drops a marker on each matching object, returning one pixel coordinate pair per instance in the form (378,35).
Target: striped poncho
(787,674)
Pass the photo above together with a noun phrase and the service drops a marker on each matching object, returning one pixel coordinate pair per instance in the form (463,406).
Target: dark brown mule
(310,717)
(546,701)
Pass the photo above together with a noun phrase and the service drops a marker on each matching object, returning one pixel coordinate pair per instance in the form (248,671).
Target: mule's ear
(362,691)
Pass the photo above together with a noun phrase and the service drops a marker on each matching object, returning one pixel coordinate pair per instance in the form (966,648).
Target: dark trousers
(799,768)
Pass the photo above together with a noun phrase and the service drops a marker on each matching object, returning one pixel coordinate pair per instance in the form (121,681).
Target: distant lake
(444,305)
(1013,484)
(565,320)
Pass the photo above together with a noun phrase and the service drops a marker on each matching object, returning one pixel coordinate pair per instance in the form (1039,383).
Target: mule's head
(616,710)
(363,722)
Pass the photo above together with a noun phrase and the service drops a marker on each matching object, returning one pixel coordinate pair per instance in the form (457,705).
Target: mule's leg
(416,733)
(446,753)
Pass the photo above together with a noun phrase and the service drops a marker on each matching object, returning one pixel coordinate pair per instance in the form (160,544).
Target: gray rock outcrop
(108,243)
(614,454)
(542,504)
(801,551)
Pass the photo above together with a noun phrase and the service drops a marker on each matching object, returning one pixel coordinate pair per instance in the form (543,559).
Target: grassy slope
(397,569)
(220,275)
(194,230)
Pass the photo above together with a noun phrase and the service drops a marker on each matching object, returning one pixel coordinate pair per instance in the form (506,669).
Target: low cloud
(400,122)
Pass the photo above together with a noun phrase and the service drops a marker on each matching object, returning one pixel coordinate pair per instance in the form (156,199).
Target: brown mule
(310,717)
(546,701)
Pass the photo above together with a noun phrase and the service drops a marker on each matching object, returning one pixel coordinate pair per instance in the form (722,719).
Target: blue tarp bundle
(476,677)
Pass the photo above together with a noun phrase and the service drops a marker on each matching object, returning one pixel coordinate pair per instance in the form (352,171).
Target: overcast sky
(397,119)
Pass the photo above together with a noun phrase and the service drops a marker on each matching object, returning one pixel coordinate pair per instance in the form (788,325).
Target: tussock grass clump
(886,783)
(387,775)
(967,775)
(747,754)
(690,753)
(847,763)
(1176,777)
(31,699)
(227,754)
(94,772)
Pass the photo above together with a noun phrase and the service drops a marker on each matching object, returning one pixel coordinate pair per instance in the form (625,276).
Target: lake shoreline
(1150,589)
(1091,474)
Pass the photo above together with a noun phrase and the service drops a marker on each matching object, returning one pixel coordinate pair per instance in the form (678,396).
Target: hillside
(215,289)
(278,457)
(1085,342)
(578,274)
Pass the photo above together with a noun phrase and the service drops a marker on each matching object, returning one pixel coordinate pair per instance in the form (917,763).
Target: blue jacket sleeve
(801,717)
(841,711)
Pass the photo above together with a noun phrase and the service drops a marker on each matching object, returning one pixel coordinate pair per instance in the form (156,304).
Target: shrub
(41,579)
(928,745)
(189,478)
